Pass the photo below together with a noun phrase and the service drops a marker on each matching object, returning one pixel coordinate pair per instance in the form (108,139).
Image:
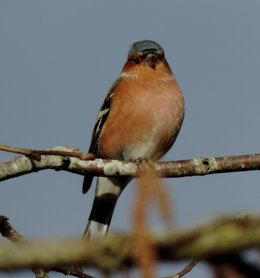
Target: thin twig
(71,272)
(36,154)
(8,231)
(186,269)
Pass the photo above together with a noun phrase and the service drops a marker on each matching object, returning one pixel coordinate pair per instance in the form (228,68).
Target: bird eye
(136,61)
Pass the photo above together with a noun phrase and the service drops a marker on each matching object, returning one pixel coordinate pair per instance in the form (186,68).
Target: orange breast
(145,117)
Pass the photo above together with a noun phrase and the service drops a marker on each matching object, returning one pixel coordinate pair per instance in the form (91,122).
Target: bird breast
(144,121)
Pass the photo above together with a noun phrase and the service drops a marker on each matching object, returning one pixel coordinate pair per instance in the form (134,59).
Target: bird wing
(100,121)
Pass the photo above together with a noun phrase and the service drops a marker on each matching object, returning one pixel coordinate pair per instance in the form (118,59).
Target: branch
(114,252)
(71,272)
(186,269)
(9,232)
(36,154)
(22,165)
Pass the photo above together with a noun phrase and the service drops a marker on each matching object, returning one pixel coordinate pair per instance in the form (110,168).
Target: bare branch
(9,232)
(22,165)
(186,269)
(115,252)
(36,154)
(72,272)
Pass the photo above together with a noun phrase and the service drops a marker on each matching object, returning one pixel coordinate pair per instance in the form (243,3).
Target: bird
(139,121)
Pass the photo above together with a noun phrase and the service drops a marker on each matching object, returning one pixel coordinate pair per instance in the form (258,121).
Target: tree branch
(114,252)
(22,165)
(9,232)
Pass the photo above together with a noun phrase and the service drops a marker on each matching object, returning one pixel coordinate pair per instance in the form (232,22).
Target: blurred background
(58,59)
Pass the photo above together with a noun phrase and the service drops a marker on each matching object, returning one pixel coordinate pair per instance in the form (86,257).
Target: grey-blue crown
(144,46)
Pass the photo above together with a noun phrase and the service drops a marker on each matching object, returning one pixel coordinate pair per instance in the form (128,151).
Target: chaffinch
(139,120)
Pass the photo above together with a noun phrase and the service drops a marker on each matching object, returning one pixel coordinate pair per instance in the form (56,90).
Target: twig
(22,165)
(36,154)
(8,231)
(187,269)
(72,272)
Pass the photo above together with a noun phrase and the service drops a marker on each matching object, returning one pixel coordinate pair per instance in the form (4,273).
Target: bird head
(145,53)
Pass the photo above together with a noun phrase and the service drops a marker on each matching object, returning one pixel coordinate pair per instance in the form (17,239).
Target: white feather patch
(95,229)
(129,75)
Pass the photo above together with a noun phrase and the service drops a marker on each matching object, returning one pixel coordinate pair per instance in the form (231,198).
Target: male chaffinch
(139,120)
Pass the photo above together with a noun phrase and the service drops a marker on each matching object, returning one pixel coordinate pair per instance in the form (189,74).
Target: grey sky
(58,59)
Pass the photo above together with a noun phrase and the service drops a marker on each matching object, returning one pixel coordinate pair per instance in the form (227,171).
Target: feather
(100,121)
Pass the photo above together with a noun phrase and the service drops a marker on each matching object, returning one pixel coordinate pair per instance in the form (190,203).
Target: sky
(58,59)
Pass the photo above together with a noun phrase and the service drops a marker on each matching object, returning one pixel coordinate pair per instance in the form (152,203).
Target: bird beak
(151,60)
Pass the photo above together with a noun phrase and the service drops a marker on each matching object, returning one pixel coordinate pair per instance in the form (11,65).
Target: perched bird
(139,120)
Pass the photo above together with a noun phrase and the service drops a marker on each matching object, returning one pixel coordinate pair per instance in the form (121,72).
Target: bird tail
(107,192)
